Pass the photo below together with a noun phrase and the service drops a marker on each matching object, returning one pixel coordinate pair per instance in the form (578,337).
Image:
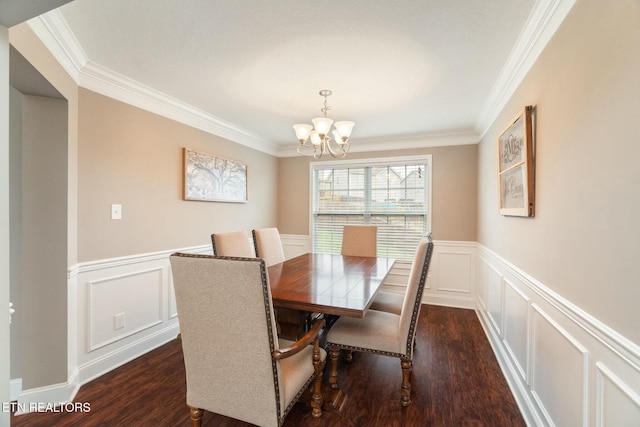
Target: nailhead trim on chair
(213,245)
(265,293)
(414,315)
(416,306)
(369,350)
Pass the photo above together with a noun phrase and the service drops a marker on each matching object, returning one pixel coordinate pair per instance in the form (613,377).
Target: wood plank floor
(456,382)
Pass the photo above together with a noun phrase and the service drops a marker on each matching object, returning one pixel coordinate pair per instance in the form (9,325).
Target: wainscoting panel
(139,286)
(559,372)
(173,309)
(516,328)
(135,298)
(564,367)
(452,275)
(294,245)
(617,401)
(490,294)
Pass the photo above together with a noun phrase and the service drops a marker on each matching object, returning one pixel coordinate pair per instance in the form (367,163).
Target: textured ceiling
(397,69)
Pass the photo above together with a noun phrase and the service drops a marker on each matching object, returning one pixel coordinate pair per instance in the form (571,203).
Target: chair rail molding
(564,366)
(139,286)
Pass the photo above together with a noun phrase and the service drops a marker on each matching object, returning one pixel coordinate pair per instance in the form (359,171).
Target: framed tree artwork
(213,179)
(516,172)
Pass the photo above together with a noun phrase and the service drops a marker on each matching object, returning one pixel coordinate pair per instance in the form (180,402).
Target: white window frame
(375,161)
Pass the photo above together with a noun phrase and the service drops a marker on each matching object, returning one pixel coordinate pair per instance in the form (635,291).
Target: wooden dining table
(331,284)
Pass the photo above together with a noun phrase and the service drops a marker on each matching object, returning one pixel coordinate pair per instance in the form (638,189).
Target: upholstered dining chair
(268,245)
(235,365)
(385,333)
(360,240)
(234,243)
(390,302)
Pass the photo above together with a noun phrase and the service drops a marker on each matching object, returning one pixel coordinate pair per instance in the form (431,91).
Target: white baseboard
(564,366)
(51,394)
(87,361)
(123,354)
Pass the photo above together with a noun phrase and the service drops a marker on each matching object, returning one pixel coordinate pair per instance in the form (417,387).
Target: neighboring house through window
(391,193)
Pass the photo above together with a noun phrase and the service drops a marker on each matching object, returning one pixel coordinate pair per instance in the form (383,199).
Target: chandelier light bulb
(302,132)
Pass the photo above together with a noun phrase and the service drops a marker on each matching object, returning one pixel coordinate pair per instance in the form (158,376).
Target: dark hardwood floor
(456,382)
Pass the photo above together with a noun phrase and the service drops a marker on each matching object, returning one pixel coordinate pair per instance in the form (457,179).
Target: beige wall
(47,219)
(38,187)
(44,243)
(583,242)
(131,157)
(30,46)
(454,190)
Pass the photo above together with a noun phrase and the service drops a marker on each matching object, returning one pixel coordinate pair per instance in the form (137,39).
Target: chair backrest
(235,243)
(228,334)
(360,240)
(268,245)
(413,295)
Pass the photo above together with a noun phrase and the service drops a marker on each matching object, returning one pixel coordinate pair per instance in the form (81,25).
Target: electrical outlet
(118,321)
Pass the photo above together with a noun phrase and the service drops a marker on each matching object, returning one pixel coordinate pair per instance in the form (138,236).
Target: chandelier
(318,134)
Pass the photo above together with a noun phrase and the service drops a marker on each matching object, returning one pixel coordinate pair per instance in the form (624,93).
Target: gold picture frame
(516,167)
(211,178)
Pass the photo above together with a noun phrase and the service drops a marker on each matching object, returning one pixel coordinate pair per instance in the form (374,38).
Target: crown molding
(543,22)
(404,142)
(56,35)
(109,83)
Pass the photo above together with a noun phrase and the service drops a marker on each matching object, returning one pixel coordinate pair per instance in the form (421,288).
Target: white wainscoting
(564,367)
(140,286)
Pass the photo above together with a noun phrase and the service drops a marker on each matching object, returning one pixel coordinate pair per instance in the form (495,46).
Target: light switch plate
(116,211)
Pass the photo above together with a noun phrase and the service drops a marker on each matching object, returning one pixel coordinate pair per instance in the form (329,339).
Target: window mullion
(367,195)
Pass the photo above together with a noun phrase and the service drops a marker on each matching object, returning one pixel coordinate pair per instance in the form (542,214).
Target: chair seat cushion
(388,301)
(296,371)
(377,331)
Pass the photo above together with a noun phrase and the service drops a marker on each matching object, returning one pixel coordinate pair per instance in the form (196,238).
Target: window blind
(392,195)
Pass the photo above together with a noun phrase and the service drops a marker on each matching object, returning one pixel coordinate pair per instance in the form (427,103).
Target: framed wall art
(213,179)
(516,171)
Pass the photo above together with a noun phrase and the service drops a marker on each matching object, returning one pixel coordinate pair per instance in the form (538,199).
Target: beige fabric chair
(235,364)
(390,301)
(235,243)
(268,245)
(360,240)
(385,333)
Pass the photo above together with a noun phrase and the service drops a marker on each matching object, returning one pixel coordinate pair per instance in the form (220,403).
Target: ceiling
(249,70)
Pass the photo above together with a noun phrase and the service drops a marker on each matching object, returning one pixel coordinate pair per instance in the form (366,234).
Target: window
(393,194)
